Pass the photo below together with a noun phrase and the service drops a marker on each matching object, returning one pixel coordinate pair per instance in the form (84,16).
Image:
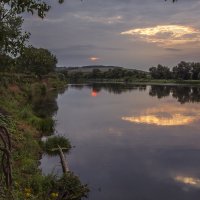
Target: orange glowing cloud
(94,59)
(166,35)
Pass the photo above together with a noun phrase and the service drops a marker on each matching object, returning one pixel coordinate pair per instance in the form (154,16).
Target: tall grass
(44,125)
(50,146)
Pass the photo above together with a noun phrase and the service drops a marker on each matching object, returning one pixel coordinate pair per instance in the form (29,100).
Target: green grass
(50,146)
(44,125)
(19,93)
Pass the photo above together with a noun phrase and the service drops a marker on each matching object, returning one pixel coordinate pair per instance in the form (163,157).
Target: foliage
(50,146)
(29,183)
(6,63)
(161,72)
(45,126)
(37,61)
(3,120)
(69,187)
(183,71)
(66,187)
(111,74)
(31,6)
(12,38)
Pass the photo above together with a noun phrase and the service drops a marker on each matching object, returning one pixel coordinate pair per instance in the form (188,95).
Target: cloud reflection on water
(195,182)
(166,115)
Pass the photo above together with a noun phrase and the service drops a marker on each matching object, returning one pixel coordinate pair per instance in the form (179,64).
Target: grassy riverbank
(22,102)
(27,105)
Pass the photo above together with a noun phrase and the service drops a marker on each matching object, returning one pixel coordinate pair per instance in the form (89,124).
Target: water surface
(132,142)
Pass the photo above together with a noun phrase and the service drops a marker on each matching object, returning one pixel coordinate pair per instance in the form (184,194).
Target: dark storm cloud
(78,29)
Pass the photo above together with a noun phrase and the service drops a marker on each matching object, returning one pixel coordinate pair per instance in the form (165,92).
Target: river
(131,142)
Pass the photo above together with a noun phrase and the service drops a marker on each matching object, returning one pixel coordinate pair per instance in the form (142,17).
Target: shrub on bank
(50,146)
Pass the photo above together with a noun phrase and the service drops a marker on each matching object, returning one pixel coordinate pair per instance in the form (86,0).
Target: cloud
(166,35)
(94,59)
(99,19)
(77,30)
(172,49)
(86,48)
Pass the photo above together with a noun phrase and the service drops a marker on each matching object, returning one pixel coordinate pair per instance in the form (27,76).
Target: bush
(37,61)
(50,146)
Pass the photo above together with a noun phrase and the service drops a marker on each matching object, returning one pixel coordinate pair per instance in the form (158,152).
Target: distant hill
(90,68)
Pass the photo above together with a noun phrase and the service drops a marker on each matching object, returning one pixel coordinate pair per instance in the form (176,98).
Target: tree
(12,37)
(38,61)
(6,62)
(96,73)
(31,6)
(195,68)
(160,72)
(182,71)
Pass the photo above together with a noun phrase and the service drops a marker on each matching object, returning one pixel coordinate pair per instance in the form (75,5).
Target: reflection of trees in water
(183,94)
(159,91)
(117,88)
(46,105)
(78,86)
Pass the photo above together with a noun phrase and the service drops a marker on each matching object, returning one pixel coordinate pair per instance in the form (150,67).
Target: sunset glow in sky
(166,35)
(128,33)
(94,59)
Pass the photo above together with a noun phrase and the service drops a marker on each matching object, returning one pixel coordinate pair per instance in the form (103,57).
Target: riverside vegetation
(29,86)
(27,104)
(28,89)
(26,107)
(28,83)
(183,72)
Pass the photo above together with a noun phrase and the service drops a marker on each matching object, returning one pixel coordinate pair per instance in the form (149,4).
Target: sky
(135,34)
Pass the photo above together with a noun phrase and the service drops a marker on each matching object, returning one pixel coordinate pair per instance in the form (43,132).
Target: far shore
(140,82)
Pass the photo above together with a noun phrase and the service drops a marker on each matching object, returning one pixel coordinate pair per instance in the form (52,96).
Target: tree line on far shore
(183,71)
(39,61)
(110,74)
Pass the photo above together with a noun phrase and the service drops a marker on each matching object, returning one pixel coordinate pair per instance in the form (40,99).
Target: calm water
(132,142)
